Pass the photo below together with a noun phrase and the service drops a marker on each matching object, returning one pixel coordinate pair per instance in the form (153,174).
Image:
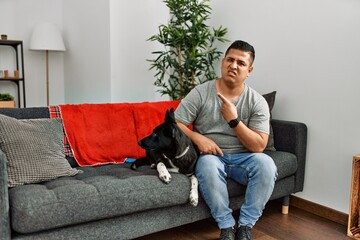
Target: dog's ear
(170,116)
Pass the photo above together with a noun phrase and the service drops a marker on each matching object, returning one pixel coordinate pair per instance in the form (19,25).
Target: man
(231,129)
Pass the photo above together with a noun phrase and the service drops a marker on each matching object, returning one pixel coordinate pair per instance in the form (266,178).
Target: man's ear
(250,70)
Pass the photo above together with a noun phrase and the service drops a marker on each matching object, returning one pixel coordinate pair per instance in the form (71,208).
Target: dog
(170,150)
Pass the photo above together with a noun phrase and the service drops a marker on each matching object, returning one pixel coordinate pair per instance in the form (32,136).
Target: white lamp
(47,37)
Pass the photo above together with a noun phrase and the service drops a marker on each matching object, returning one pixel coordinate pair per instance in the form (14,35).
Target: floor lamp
(47,37)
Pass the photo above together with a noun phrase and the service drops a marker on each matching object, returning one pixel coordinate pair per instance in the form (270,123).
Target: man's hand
(228,109)
(204,144)
(254,141)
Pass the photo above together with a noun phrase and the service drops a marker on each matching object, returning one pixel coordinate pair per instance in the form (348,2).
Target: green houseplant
(6,97)
(189,48)
(6,100)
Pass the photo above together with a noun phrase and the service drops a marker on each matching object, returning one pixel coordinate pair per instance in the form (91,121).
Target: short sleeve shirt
(201,109)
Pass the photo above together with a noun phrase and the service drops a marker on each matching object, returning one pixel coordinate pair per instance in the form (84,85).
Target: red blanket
(108,133)
(148,115)
(100,133)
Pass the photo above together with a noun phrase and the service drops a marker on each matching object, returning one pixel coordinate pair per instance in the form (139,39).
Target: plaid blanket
(55,113)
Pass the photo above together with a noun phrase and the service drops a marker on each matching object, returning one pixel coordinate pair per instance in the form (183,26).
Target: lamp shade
(46,36)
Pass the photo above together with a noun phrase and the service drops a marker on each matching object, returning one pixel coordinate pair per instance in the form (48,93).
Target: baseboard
(319,210)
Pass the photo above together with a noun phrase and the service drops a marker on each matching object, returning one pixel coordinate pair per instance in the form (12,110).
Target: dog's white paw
(164,174)
(194,198)
(194,193)
(165,177)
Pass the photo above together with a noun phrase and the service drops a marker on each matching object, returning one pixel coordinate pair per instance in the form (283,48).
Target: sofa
(109,200)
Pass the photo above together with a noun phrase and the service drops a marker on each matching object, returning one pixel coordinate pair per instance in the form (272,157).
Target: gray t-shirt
(201,108)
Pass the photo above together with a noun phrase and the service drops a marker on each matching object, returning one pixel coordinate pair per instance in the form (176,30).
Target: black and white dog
(170,150)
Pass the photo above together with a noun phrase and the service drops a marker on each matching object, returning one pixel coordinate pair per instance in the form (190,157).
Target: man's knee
(266,165)
(208,165)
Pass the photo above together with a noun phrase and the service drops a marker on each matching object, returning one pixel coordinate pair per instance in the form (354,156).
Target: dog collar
(179,156)
(183,153)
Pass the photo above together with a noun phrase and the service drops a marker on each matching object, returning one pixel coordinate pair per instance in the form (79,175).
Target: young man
(231,129)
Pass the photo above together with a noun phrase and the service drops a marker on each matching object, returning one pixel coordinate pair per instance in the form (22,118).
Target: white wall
(131,25)
(18,19)
(87,60)
(306,50)
(309,52)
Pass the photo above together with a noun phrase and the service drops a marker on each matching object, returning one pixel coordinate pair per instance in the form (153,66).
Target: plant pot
(7,104)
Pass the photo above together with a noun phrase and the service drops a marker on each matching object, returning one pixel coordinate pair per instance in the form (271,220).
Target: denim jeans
(255,170)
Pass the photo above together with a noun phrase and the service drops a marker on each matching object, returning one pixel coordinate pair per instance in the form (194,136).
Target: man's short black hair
(243,46)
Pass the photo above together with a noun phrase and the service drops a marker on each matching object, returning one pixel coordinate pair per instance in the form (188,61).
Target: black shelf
(20,81)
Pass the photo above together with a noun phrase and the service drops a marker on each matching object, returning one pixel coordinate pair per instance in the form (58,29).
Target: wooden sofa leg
(285,205)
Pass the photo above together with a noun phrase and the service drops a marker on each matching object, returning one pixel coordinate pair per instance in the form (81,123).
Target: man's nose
(233,65)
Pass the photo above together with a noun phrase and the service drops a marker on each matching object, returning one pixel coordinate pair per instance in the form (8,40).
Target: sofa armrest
(4,200)
(292,137)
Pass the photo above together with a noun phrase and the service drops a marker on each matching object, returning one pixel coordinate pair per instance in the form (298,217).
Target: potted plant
(189,48)
(6,100)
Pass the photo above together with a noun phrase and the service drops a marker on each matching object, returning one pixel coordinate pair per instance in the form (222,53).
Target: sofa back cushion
(270,99)
(26,113)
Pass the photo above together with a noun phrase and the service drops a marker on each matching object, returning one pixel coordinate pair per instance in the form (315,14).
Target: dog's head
(163,136)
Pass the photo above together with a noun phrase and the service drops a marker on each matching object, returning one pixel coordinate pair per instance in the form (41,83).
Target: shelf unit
(19,81)
(353,230)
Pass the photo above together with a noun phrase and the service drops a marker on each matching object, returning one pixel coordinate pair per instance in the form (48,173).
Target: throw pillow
(270,99)
(34,150)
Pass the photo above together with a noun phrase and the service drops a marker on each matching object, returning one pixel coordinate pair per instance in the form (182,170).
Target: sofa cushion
(107,191)
(270,99)
(98,193)
(285,162)
(34,150)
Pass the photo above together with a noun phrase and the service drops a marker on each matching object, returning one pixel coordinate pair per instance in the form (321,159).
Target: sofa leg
(285,205)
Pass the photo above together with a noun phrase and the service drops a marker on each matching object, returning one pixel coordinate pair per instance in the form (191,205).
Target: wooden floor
(297,225)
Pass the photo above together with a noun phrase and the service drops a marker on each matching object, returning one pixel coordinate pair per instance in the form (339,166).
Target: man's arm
(254,141)
(204,144)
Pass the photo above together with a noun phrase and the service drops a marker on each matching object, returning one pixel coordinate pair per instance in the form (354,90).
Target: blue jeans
(255,170)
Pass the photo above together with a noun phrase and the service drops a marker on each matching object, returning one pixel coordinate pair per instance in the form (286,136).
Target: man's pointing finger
(222,98)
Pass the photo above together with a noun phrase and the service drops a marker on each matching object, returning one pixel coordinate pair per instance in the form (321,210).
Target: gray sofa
(114,202)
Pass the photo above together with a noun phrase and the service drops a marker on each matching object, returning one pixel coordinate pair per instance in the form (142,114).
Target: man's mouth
(232,73)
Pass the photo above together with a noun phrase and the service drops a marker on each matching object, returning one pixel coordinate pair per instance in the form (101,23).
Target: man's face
(236,67)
